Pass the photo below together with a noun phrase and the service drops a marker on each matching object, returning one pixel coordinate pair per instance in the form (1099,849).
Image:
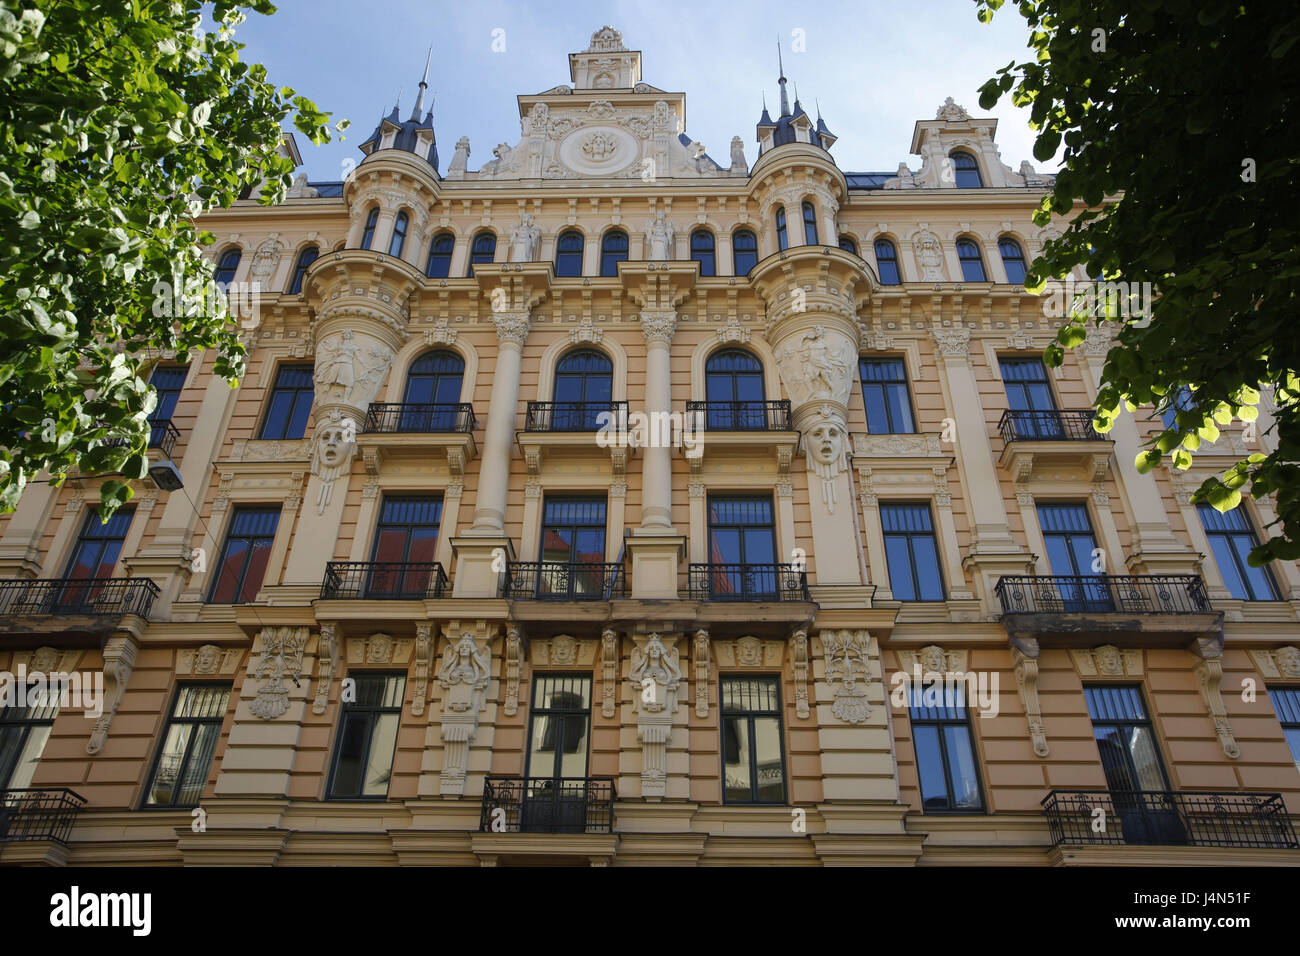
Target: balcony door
(584,387)
(434,382)
(167,381)
(1135,773)
(93,560)
(1029,396)
(1067,532)
(742,549)
(559,731)
(733,387)
(406,540)
(572,548)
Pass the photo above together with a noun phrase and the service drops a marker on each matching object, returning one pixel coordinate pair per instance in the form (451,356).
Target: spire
(785,99)
(797,107)
(424,85)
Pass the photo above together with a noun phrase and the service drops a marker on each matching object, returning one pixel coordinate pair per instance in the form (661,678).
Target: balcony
(390,418)
(1076,608)
(29,816)
(87,597)
(1053,439)
(747,582)
(547,805)
(1168,818)
(573,416)
(563,581)
(383,581)
(741,416)
(163,435)
(411,431)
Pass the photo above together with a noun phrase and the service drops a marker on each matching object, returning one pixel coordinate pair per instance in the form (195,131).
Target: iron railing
(1049,425)
(574,416)
(747,582)
(162,434)
(396,417)
(94,596)
(771,416)
(547,805)
(563,581)
(1161,817)
(38,814)
(1103,594)
(383,580)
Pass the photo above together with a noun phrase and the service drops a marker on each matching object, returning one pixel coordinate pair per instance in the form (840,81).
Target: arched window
(1013,259)
(368,234)
(744,251)
(887,263)
(782,240)
(848,245)
(484,249)
(227,265)
(439,264)
(702,251)
(613,250)
(432,396)
(305,258)
(396,244)
(972,264)
(568,254)
(965,169)
(809,224)
(733,387)
(584,387)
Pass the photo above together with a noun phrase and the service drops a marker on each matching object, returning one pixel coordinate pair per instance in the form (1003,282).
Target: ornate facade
(615,504)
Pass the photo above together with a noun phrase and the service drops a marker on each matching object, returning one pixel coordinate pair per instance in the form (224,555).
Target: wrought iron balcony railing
(162,435)
(383,580)
(747,582)
(1159,817)
(771,416)
(547,805)
(407,417)
(563,581)
(1103,594)
(38,814)
(1050,425)
(93,596)
(574,416)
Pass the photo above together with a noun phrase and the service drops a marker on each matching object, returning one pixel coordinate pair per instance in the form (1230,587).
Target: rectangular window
(1072,552)
(93,559)
(1231,540)
(885,394)
(742,549)
(363,754)
(559,726)
(167,381)
(1135,774)
(573,534)
(406,541)
(1286,701)
(911,552)
(291,398)
(23,734)
(189,743)
(753,760)
(242,568)
(945,753)
(1030,398)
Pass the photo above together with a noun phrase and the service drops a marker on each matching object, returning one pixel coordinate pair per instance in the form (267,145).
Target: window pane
(927,568)
(929,767)
(961,768)
(767,751)
(736,756)
(379,767)
(899,559)
(900,410)
(204,745)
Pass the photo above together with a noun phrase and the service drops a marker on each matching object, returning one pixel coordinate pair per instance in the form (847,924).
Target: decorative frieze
(281,660)
(847,673)
(207,660)
(464,676)
(655,676)
(1107,661)
(1282,663)
(423,659)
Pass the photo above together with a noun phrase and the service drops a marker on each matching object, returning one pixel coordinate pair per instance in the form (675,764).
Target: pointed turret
(793,125)
(414,135)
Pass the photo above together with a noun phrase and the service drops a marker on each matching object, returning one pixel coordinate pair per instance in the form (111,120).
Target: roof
(864,180)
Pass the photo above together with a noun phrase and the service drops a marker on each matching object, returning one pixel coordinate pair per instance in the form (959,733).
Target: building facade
(612,504)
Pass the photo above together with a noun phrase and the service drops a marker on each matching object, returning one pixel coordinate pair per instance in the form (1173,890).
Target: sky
(874,67)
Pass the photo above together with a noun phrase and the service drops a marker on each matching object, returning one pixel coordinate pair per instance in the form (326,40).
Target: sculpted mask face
(333,445)
(827,441)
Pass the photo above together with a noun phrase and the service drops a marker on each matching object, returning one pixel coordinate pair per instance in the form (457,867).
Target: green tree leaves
(1181,169)
(105,107)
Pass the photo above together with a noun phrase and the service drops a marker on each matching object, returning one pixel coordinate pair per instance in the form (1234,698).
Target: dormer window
(965,170)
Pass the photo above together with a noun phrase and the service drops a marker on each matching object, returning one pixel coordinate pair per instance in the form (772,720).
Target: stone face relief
(816,367)
(929,253)
(825,441)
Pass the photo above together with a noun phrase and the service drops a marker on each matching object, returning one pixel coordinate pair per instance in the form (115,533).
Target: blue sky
(875,67)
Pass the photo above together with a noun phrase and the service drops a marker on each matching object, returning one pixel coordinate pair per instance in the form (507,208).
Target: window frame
(968,260)
(1286,706)
(736,252)
(908,537)
(481,256)
(242,579)
(300,268)
(297,392)
(47,715)
(535,711)
(962,171)
(189,746)
(610,257)
(569,262)
(398,238)
(749,717)
(709,265)
(940,723)
(368,231)
(1146,722)
(225,265)
(782,235)
(438,255)
(1017,259)
(849,244)
(1231,536)
(884,386)
(345,710)
(892,259)
(809,213)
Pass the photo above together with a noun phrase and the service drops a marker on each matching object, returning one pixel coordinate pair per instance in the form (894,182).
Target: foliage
(1181,133)
(120,122)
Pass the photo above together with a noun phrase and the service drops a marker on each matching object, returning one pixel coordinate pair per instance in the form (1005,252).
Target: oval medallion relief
(598,150)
